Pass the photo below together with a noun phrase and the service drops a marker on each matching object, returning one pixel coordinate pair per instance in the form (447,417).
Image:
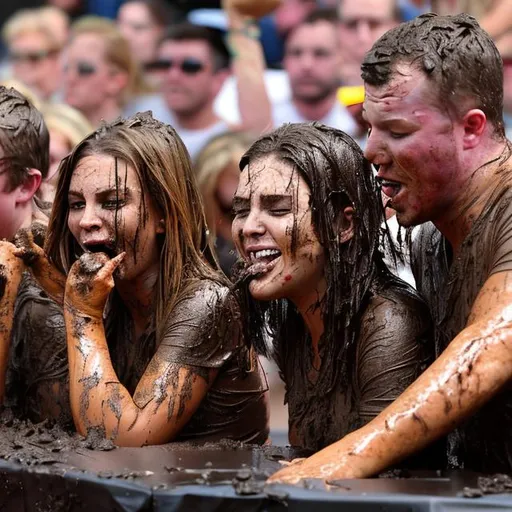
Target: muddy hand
(90,281)
(11,269)
(48,277)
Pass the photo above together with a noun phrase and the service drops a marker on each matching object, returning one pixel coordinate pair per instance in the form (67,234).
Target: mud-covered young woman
(347,335)
(154,336)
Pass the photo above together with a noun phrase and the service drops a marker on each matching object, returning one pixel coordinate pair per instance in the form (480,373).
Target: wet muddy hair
(162,163)
(455,53)
(337,174)
(24,138)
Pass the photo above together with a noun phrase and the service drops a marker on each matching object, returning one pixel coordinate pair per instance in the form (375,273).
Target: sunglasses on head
(83,68)
(30,57)
(189,65)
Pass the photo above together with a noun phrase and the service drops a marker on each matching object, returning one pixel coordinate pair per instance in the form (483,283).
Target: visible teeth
(264,254)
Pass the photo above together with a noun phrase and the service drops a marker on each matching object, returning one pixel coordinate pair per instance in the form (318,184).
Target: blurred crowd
(84,61)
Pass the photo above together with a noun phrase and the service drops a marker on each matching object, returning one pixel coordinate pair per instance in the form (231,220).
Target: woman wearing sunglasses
(100,74)
(348,336)
(154,335)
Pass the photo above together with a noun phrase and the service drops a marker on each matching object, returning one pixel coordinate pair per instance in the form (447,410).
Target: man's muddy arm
(165,399)
(472,369)
(11,272)
(248,63)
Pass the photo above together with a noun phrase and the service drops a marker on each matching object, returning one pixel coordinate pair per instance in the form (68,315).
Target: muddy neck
(310,310)
(199,120)
(457,221)
(318,110)
(139,297)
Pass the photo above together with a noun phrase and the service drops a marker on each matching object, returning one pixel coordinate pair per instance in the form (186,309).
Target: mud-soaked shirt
(37,385)
(393,347)
(450,286)
(203,333)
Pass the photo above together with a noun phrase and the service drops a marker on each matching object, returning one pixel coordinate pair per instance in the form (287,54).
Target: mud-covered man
(26,313)
(434,103)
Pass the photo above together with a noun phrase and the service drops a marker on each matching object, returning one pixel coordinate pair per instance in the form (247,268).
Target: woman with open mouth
(347,335)
(155,345)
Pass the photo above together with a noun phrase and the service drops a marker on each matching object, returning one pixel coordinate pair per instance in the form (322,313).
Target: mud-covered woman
(154,335)
(348,336)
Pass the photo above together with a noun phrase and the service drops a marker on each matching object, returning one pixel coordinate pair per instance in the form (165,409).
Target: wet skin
(270,205)
(167,394)
(478,362)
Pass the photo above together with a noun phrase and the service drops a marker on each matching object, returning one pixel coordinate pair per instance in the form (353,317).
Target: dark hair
(160,11)
(321,14)
(456,55)
(333,166)
(24,138)
(212,37)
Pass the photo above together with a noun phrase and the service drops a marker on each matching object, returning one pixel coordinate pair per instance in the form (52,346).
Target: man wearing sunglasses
(194,63)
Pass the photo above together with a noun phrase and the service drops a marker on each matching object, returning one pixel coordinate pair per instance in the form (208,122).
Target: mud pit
(44,468)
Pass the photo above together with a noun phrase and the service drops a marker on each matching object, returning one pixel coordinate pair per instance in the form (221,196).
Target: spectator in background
(142,23)
(217,173)
(312,62)
(74,8)
(34,45)
(362,22)
(67,127)
(196,64)
(101,77)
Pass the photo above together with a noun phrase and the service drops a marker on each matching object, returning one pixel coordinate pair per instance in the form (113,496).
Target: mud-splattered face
(417,146)
(273,232)
(109,212)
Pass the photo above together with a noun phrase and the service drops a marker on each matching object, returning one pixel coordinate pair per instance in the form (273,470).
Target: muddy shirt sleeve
(204,329)
(395,346)
(501,251)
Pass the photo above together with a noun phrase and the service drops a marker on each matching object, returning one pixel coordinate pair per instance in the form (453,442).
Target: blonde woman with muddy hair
(216,169)
(100,73)
(154,336)
(34,43)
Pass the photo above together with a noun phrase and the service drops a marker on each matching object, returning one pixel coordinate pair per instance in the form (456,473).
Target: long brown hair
(163,167)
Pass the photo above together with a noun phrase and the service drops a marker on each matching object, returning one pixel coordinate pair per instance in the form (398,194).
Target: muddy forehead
(99,173)
(268,175)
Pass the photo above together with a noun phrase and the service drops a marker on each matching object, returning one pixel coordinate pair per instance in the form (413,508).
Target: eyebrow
(267,201)
(106,192)
(240,202)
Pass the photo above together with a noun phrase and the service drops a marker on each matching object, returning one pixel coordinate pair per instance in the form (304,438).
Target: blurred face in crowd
(362,23)
(312,61)
(89,79)
(35,62)
(291,13)
(190,82)
(138,27)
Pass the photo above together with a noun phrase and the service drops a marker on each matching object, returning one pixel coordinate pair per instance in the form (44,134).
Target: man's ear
(474,123)
(346,225)
(26,191)
(160,229)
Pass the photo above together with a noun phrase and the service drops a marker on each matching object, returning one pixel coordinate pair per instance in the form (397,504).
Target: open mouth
(262,262)
(390,188)
(108,249)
